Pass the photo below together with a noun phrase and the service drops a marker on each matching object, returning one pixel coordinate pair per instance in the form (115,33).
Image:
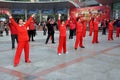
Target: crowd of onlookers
(4,27)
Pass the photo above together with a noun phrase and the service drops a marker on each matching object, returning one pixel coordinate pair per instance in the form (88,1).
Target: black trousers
(44,30)
(1,33)
(13,38)
(104,31)
(50,35)
(7,31)
(31,34)
(71,34)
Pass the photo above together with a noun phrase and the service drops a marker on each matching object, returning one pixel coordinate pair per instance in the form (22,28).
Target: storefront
(41,9)
(116,10)
(41,15)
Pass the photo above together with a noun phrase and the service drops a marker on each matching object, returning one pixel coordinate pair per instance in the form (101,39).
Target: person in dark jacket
(104,25)
(72,27)
(2,28)
(44,28)
(50,26)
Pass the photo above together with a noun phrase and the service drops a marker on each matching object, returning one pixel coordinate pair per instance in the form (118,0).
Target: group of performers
(77,23)
(80,25)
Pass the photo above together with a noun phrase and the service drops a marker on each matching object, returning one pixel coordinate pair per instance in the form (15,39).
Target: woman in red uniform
(95,35)
(23,39)
(79,33)
(110,30)
(91,27)
(84,28)
(62,37)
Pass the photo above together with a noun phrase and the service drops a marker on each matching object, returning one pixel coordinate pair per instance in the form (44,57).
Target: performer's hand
(8,13)
(33,15)
(59,15)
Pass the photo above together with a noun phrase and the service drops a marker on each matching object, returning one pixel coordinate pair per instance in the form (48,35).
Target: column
(25,14)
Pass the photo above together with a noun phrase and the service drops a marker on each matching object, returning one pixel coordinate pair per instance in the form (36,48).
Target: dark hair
(19,19)
(62,20)
(78,18)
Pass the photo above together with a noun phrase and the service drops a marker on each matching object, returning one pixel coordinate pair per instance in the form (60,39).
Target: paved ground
(95,62)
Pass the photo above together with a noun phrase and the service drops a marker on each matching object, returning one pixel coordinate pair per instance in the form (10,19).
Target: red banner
(99,12)
(3,10)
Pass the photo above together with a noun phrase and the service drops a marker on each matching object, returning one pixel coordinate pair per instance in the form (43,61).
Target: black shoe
(82,47)
(53,42)
(75,48)
(13,48)
(28,61)
(33,40)
(97,42)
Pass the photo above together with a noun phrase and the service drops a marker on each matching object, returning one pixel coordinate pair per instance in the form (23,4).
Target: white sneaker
(66,53)
(59,54)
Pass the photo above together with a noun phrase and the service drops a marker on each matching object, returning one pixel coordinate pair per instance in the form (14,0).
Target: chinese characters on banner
(98,12)
(3,10)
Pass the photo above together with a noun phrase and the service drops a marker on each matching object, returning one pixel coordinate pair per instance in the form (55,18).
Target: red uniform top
(96,23)
(13,29)
(84,25)
(62,28)
(110,27)
(22,30)
(32,26)
(79,27)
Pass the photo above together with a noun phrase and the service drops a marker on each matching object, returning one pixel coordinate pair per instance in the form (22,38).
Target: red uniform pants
(84,33)
(79,40)
(90,32)
(95,37)
(110,35)
(20,47)
(62,44)
(117,32)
